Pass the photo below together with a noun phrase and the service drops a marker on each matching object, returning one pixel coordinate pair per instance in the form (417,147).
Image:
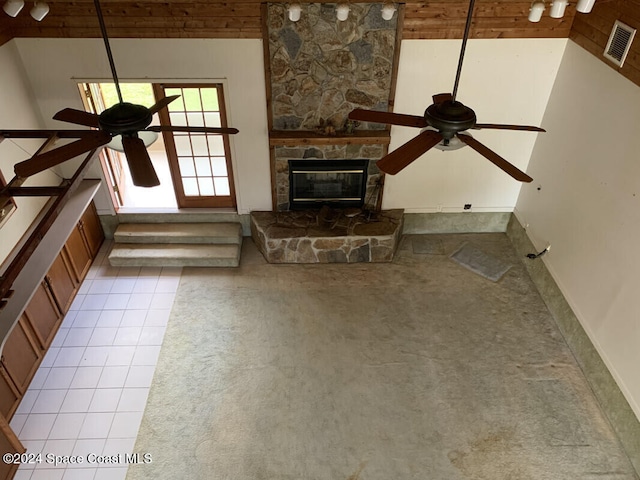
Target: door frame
(170,147)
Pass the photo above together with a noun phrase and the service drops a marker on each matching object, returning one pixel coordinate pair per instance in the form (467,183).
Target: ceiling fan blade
(79,117)
(410,151)
(142,172)
(162,128)
(494,126)
(495,158)
(388,117)
(162,103)
(442,97)
(43,161)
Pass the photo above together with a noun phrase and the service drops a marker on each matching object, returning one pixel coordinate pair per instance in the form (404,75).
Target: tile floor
(88,396)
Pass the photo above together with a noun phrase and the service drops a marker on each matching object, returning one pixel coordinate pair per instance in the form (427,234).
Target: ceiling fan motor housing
(125,117)
(450,117)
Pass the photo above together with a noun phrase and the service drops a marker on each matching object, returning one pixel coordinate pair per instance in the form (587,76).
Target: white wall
(17,112)
(588,206)
(503,81)
(55,66)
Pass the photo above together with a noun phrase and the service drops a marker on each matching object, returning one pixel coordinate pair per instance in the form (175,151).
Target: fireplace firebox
(337,183)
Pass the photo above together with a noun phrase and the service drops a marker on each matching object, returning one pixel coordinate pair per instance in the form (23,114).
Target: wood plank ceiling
(431,19)
(241,19)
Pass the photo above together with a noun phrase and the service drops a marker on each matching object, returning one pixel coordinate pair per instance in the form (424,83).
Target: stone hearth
(327,235)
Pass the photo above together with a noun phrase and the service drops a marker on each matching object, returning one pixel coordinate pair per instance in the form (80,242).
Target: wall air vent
(619,43)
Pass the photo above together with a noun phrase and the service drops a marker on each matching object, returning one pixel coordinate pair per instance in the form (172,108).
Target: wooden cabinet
(10,396)
(78,254)
(21,355)
(84,242)
(62,281)
(43,316)
(92,230)
(9,443)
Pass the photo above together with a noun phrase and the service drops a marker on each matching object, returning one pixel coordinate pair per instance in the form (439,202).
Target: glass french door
(200,163)
(93,101)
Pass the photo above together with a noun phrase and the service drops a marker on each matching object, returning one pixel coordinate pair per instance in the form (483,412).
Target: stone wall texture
(322,68)
(326,236)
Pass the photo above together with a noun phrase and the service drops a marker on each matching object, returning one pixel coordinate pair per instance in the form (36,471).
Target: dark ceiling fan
(445,119)
(123,118)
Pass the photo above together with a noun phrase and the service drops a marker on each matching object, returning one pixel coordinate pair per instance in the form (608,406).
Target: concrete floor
(418,369)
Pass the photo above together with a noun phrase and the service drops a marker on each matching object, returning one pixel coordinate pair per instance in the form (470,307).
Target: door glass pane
(212,119)
(206,186)
(195,119)
(191,98)
(216,145)
(209,99)
(190,186)
(178,118)
(178,104)
(203,168)
(222,185)
(183,145)
(199,144)
(219,166)
(187,168)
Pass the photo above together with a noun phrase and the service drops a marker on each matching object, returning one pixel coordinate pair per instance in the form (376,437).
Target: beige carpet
(420,369)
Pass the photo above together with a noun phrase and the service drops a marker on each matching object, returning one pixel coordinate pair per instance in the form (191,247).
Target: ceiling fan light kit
(13,7)
(535,12)
(147,136)
(39,11)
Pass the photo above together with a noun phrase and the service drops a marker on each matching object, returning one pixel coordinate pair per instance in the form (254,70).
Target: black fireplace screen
(313,183)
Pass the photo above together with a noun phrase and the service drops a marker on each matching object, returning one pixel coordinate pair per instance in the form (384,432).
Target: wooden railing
(59,196)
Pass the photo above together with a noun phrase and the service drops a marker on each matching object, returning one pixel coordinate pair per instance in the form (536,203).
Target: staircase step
(174,255)
(209,233)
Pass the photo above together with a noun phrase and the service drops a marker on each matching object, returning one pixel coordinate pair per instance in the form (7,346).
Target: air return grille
(619,42)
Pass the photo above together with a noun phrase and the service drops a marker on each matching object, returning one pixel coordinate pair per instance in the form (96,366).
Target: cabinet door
(78,253)
(9,443)
(43,316)
(21,355)
(9,395)
(62,282)
(92,229)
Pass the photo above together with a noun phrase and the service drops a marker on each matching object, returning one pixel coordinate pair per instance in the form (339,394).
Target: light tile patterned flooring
(89,394)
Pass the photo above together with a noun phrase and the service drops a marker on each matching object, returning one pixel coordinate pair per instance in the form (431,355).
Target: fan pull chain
(465,37)
(103,29)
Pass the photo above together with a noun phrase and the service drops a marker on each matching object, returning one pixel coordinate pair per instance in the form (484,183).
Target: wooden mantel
(292,138)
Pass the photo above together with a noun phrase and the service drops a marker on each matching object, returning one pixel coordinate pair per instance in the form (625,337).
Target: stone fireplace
(319,70)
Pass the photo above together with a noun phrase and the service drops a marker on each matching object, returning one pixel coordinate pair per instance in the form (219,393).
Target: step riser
(200,233)
(177,245)
(174,262)
(149,238)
